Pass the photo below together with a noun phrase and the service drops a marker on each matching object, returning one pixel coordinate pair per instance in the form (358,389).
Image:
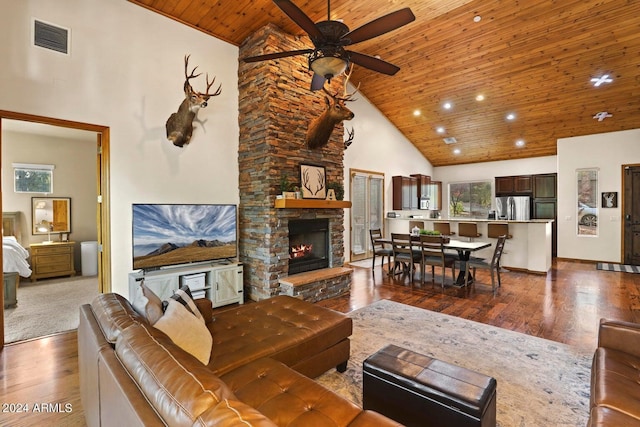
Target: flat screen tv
(172,234)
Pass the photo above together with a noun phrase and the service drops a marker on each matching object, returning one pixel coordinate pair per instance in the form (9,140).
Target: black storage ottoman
(417,390)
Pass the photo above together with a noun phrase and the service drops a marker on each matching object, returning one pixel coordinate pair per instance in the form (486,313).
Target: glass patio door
(367,210)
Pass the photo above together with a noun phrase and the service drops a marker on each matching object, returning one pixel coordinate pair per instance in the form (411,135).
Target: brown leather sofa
(132,374)
(615,375)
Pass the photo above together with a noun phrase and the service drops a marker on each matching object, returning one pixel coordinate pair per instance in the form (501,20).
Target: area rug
(540,382)
(620,268)
(47,307)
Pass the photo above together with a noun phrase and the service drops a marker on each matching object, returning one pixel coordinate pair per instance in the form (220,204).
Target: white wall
(489,170)
(607,152)
(378,146)
(126,72)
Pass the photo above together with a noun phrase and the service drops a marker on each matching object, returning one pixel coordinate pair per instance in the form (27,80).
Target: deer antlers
(187,85)
(345,95)
(306,182)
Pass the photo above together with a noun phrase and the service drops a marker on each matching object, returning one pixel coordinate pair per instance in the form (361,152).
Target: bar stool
(497,229)
(419,224)
(468,229)
(443,228)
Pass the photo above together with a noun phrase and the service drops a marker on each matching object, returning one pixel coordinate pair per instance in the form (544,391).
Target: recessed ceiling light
(511,116)
(480,97)
(597,81)
(440,129)
(456,151)
(477,18)
(520,143)
(416,113)
(447,105)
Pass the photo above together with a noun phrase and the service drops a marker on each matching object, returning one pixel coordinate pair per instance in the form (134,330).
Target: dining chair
(379,249)
(444,228)
(493,266)
(433,254)
(468,229)
(403,253)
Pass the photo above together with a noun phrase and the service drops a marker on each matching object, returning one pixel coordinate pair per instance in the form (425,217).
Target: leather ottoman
(417,390)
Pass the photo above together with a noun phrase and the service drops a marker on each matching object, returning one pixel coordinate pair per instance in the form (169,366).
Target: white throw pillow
(186,331)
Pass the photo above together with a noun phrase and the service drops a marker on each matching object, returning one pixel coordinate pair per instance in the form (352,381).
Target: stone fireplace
(275,107)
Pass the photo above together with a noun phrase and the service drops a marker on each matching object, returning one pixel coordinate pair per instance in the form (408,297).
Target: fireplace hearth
(308,244)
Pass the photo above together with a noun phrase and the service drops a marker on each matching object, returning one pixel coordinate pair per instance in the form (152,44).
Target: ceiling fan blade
(380,26)
(372,63)
(299,17)
(317,82)
(277,55)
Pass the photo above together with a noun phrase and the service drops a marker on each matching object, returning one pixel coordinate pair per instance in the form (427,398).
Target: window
(470,199)
(587,195)
(31,178)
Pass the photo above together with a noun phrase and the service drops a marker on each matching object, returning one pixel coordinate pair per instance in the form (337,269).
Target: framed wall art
(610,199)
(313,181)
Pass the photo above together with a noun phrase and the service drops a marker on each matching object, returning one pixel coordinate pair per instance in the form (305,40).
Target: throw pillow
(153,307)
(186,330)
(183,296)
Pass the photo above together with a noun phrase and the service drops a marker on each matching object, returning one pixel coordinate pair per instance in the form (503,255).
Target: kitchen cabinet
(514,185)
(544,186)
(423,183)
(405,193)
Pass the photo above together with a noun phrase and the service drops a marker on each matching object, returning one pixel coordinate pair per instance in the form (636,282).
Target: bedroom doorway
(99,138)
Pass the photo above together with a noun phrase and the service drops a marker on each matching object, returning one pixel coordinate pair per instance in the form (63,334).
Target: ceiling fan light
(328,66)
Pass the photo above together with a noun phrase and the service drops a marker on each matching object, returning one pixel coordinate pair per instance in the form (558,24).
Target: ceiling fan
(329,58)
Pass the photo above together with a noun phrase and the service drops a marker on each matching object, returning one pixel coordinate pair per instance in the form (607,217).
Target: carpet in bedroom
(47,307)
(540,382)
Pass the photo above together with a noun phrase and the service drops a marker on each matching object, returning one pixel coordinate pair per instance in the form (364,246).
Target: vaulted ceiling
(534,59)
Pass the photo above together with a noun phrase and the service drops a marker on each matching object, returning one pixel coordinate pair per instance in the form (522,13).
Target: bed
(14,257)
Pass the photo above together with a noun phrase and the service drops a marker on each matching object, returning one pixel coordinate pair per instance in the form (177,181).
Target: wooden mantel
(311,204)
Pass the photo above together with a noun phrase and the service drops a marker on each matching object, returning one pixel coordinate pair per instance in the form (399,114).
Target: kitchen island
(528,249)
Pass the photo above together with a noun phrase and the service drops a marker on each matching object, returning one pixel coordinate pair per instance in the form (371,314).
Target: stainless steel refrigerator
(515,208)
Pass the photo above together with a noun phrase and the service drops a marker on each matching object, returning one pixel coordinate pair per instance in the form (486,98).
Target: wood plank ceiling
(534,59)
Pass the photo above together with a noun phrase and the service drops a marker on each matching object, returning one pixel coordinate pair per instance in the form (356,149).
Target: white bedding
(14,257)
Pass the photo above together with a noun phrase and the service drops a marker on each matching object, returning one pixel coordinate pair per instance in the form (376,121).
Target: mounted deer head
(180,125)
(321,127)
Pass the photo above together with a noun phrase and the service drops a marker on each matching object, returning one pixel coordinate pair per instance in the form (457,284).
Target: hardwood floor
(564,305)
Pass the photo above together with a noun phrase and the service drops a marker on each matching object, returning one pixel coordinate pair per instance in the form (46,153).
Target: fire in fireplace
(308,244)
(300,251)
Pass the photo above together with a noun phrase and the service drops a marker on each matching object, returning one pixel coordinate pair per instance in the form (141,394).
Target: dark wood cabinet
(523,184)
(422,181)
(544,186)
(504,185)
(405,193)
(514,185)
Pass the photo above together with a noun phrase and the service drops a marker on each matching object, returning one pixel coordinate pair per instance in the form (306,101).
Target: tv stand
(220,283)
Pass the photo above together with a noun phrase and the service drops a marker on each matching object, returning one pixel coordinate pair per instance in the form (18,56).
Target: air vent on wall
(49,36)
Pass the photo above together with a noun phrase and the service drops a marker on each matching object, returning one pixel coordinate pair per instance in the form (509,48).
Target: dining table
(464,250)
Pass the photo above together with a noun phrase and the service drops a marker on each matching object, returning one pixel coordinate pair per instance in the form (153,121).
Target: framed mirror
(51,215)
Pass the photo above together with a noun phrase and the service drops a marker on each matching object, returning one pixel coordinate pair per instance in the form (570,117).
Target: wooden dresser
(52,260)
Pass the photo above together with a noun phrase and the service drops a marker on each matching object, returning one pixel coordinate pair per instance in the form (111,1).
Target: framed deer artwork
(313,180)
